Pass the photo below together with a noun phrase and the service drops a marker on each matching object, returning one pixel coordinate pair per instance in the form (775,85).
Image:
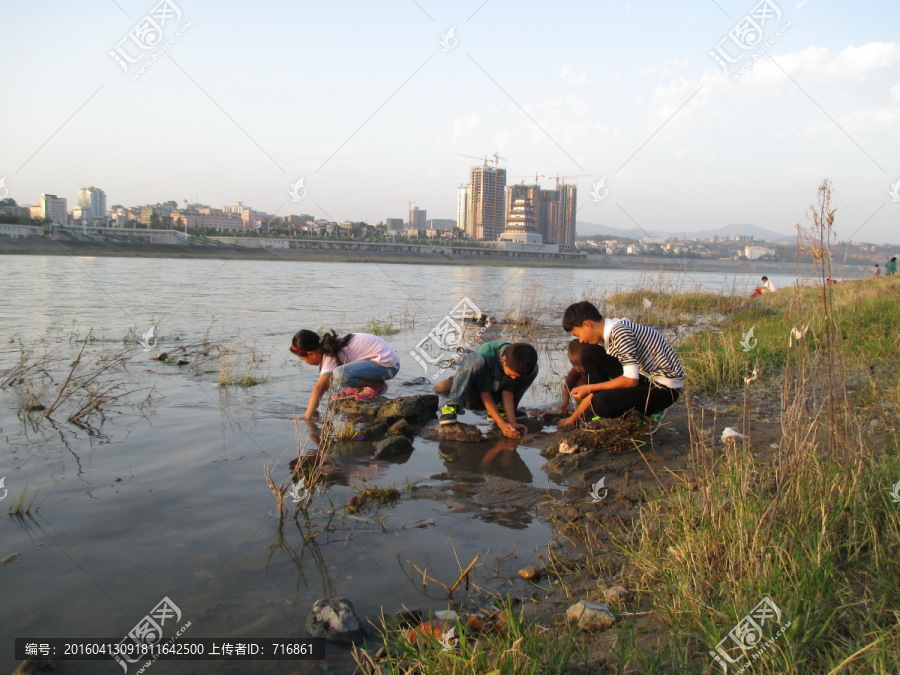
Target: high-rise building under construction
(481,205)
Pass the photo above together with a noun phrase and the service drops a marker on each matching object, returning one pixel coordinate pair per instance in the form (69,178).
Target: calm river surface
(166,496)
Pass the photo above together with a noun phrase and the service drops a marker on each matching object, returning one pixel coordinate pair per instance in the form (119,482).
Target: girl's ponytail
(332,345)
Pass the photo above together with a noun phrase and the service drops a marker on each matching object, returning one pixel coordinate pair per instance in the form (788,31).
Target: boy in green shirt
(496,372)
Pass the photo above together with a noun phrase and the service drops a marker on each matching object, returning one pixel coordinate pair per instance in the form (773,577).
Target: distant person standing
(767,287)
(890,266)
(877,272)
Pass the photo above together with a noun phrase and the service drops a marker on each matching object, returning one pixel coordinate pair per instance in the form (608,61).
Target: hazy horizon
(371,104)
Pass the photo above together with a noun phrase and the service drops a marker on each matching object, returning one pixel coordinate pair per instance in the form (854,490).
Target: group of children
(617,366)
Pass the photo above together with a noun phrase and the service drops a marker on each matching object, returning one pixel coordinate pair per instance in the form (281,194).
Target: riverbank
(758,525)
(39,246)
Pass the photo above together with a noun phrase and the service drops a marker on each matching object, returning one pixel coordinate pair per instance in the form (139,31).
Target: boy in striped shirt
(652,375)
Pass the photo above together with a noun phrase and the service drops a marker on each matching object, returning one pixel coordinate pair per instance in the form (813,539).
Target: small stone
(334,619)
(617,594)
(591,615)
(530,572)
(401,428)
(393,446)
(446,615)
(566,448)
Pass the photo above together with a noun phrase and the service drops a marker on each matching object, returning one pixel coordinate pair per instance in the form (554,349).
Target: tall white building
(92,202)
(55,209)
(462,207)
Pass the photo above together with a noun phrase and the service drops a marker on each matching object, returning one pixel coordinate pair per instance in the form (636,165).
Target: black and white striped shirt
(642,350)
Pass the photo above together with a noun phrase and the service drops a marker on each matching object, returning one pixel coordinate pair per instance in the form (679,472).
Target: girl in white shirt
(356,364)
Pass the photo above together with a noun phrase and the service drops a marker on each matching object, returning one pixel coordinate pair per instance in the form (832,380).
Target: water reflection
(502,459)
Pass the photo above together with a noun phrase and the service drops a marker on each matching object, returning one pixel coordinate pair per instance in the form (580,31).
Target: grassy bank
(802,535)
(810,524)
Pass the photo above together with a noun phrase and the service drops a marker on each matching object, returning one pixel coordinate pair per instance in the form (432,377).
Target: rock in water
(591,615)
(420,406)
(393,445)
(517,319)
(354,407)
(334,619)
(401,428)
(460,431)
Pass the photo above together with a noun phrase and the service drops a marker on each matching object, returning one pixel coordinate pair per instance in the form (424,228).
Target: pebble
(530,572)
(591,615)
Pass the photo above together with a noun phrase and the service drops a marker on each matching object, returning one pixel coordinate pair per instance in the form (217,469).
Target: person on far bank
(652,375)
(877,271)
(890,267)
(497,373)
(355,364)
(767,287)
(590,365)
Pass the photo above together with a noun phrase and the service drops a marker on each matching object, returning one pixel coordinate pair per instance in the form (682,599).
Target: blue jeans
(464,393)
(350,374)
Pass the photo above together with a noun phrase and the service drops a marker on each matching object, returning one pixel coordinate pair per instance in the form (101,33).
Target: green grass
(507,646)
(378,327)
(865,314)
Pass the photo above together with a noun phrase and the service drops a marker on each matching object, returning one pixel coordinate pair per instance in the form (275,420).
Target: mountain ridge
(584,228)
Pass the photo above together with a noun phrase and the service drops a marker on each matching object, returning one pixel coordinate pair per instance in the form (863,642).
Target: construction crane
(561,179)
(496,156)
(536,176)
(484,159)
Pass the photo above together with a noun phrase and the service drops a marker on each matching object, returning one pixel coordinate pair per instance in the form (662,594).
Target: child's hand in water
(513,430)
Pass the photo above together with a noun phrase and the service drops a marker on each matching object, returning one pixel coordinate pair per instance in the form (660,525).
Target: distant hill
(584,228)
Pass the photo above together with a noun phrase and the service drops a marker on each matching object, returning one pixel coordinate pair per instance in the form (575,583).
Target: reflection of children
(652,375)
(359,363)
(590,364)
(496,372)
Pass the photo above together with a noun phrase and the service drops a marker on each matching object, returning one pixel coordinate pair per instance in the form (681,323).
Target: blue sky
(364,102)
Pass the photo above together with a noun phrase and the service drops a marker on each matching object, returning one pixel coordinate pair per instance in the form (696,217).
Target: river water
(166,498)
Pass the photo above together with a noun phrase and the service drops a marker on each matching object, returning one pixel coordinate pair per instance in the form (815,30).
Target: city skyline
(352,114)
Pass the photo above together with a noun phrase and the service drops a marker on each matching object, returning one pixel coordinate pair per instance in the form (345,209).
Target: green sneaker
(448,414)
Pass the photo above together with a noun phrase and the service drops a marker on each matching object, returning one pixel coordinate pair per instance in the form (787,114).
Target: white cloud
(852,63)
(572,78)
